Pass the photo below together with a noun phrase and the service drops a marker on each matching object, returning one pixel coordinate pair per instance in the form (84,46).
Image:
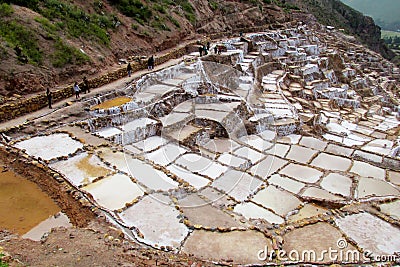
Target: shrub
(134,9)
(18,36)
(213,5)
(5,10)
(76,22)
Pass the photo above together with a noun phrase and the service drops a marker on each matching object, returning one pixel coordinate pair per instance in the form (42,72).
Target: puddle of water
(22,204)
(58,220)
(115,102)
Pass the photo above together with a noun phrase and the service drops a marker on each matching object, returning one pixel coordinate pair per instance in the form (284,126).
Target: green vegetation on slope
(156,13)
(57,17)
(18,37)
(76,22)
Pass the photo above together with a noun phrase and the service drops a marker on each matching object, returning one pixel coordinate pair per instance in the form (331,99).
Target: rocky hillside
(335,13)
(51,42)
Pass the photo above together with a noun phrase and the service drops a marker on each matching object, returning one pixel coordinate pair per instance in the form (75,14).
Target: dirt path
(118,84)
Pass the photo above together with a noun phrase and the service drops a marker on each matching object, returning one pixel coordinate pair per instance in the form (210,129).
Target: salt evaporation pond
(81,169)
(49,147)
(219,160)
(25,209)
(114,192)
(115,102)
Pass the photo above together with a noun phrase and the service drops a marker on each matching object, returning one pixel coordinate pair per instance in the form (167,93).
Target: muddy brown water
(115,102)
(22,204)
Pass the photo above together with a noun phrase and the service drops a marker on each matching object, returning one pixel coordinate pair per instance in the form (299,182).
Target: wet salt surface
(201,165)
(81,169)
(367,170)
(114,191)
(271,198)
(337,184)
(141,171)
(237,184)
(160,226)
(330,162)
(194,180)
(369,187)
(268,166)
(165,154)
(377,236)
(253,211)
(108,132)
(150,143)
(49,146)
(301,173)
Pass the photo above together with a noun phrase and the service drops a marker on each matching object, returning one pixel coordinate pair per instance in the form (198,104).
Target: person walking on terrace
(129,69)
(49,97)
(76,90)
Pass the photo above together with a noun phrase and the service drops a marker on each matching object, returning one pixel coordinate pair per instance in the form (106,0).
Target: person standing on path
(85,85)
(76,90)
(150,63)
(49,97)
(129,69)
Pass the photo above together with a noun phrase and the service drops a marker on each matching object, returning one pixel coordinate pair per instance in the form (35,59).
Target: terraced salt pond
(207,159)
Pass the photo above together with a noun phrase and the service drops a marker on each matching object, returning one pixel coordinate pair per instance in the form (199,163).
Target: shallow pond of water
(22,204)
(115,102)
